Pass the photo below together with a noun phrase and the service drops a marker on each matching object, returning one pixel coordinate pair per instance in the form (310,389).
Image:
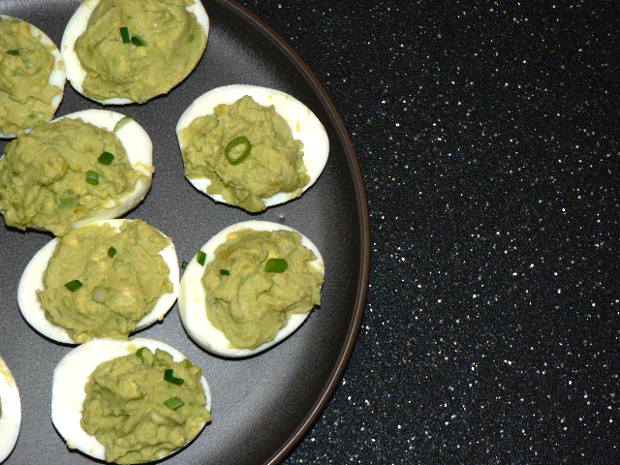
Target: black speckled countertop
(488,137)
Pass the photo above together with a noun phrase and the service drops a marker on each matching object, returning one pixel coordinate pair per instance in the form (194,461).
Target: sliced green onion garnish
(187,364)
(125,34)
(122,122)
(92,177)
(190,37)
(184,264)
(111,252)
(174,403)
(105,158)
(201,257)
(73,285)
(276,265)
(13,52)
(238,150)
(138,41)
(224,272)
(169,376)
(142,352)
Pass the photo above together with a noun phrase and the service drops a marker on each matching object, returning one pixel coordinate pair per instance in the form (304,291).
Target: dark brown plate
(263,405)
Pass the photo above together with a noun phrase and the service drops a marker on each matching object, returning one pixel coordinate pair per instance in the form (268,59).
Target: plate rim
(363,221)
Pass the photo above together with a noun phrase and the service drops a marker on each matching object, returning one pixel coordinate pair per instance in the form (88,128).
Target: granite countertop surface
(487,133)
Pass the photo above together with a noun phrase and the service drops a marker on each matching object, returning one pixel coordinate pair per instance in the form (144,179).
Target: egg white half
(71,376)
(11,411)
(193,303)
(304,124)
(75,28)
(57,77)
(32,281)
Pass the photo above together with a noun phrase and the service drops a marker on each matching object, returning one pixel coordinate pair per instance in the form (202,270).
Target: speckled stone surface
(488,137)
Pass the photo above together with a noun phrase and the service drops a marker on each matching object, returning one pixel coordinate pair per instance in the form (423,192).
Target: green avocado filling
(138,414)
(138,49)
(101,281)
(249,299)
(248,153)
(25,67)
(51,177)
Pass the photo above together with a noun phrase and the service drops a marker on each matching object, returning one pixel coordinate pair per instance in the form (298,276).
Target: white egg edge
(10,420)
(71,375)
(32,281)
(192,297)
(75,28)
(304,125)
(57,77)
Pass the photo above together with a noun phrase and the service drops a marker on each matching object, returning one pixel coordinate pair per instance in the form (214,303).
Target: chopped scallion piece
(174,403)
(111,252)
(187,363)
(238,150)
(73,285)
(169,376)
(276,265)
(122,122)
(92,177)
(13,52)
(184,264)
(141,352)
(105,158)
(125,34)
(138,41)
(201,257)
(224,272)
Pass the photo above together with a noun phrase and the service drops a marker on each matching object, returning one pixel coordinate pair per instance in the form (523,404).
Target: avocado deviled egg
(81,167)
(251,146)
(249,287)
(129,51)
(129,402)
(108,278)
(10,411)
(32,77)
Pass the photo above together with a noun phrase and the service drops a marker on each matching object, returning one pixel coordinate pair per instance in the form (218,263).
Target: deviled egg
(249,287)
(251,146)
(124,51)
(108,278)
(32,76)
(10,411)
(128,401)
(84,166)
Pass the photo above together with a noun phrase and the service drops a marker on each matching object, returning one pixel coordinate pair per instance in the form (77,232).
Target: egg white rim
(68,397)
(31,281)
(304,124)
(192,297)
(75,28)
(57,77)
(10,421)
